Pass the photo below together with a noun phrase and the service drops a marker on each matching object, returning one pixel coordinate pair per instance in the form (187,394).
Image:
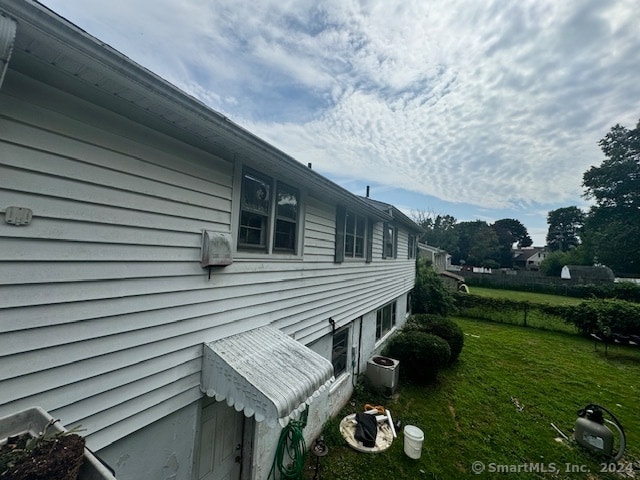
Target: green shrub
(421,355)
(443,327)
(430,294)
(619,290)
(604,317)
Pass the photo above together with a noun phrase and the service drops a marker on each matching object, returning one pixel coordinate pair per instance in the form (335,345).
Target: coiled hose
(291,450)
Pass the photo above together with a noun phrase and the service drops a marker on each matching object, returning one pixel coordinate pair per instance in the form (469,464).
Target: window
(385,320)
(353,236)
(389,241)
(286,218)
(267,222)
(412,246)
(340,351)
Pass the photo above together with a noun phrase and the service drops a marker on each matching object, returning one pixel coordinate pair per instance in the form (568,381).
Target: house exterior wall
(438,257)
(104,304)
(163,450)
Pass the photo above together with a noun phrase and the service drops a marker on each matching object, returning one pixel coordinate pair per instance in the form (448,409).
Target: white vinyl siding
(104,304)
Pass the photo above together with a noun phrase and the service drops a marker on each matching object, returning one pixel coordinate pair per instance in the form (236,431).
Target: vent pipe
(367,191)
(309,164)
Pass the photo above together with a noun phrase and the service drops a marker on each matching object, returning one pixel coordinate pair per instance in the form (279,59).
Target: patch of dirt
(452,411)
(56,459)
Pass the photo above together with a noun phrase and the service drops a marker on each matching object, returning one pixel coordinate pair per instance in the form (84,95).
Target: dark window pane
(287,202)
(256,193)
(340,351)
(348,245)
(285,236)
(388,246)
(355,226)
(359,247)
(252,229)
(350,223)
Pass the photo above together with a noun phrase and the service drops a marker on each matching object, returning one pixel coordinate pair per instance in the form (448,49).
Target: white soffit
(264,373)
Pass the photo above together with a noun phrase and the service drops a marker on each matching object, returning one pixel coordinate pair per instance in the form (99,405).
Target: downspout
(356,373)
(7,39)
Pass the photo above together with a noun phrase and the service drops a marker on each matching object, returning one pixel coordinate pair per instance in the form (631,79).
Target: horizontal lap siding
(104,306)
(348,289)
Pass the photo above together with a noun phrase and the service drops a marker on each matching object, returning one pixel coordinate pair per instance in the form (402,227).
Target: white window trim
(394,326)
(272,255)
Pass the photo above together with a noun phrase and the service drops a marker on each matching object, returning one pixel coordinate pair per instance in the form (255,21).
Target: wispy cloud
(495,104)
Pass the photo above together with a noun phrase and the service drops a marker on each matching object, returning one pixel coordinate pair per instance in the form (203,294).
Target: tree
(477,244)
(615,183)
(439,230)
(565,226)
(613,224)
(510,231)
(553,263)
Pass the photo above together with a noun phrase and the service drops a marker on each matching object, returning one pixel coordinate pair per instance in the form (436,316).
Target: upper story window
(389,241)
(287,204)
(268,221)
(412,246)
(353,236)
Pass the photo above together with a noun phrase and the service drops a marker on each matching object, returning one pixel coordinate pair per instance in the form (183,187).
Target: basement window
(340,351)
(385,319)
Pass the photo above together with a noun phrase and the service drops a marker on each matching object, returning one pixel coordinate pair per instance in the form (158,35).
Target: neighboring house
(586,274)
(169,281)
(529,258)
(439,258)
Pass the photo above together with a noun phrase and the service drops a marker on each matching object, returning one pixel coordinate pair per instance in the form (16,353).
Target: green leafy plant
(443,327)
(604,316)
(430,294)
(421,355)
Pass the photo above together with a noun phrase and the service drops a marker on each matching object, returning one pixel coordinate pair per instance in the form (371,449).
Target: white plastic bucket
(413,438)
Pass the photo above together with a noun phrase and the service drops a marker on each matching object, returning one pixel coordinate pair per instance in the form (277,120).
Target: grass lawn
(496,406)
(525,296)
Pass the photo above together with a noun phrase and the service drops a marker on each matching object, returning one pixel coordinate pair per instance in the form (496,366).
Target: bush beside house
(422,355)
(443,327)
(430,294)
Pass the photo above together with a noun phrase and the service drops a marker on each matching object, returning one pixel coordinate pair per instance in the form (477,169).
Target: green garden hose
(291,451)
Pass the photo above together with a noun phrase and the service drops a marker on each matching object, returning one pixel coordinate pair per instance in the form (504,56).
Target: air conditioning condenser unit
(383,372)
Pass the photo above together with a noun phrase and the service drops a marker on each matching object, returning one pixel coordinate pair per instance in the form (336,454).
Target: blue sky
(477,109)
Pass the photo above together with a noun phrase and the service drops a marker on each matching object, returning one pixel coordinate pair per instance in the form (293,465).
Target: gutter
(7,39)
(51,27)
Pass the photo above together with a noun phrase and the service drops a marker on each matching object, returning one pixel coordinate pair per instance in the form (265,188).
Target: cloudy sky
(474,108)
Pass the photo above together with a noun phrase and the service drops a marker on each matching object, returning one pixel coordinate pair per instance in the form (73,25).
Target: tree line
(608,233)
(475,243)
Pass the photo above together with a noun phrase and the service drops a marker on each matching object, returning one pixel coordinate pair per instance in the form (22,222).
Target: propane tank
(592,433)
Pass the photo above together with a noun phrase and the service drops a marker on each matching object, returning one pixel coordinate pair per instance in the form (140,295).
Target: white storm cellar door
(220,443)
